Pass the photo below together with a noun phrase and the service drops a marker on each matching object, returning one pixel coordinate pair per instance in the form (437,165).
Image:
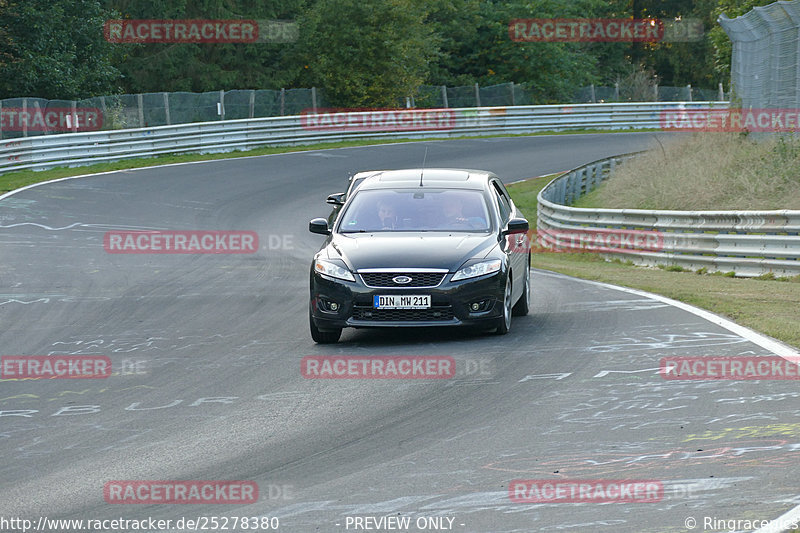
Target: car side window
(502,202)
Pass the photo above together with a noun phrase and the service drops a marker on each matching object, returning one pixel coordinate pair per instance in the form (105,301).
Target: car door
(513,245)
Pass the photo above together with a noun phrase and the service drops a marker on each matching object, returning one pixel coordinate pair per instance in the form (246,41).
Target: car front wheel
(523,305)
(504,322)
(329,336)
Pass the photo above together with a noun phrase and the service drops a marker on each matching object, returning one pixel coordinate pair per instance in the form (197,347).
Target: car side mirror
(320,226)
(516,225)
(336,199)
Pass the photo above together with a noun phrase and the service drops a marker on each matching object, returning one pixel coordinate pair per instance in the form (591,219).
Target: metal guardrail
(749,243)
(74,149)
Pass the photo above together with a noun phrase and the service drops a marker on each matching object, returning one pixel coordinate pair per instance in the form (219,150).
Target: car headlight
(332,270)
(478,269)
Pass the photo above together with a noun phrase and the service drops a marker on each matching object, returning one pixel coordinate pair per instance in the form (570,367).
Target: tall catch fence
(765,62)
(30,117)
(27,117)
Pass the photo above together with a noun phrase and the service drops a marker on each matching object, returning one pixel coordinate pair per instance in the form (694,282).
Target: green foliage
(6,55)
(204,67)
(671,268)
(682,63)
(476,47)
(365,53)
(55,49)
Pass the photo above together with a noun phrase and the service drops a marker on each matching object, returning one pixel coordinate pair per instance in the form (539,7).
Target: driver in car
(453,207)
(453,210)
(388,215)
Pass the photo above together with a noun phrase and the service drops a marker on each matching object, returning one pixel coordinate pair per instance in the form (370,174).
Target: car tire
(523,305)
(329,336)
(504,322)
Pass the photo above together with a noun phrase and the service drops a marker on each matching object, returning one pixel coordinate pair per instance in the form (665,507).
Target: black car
(432,247)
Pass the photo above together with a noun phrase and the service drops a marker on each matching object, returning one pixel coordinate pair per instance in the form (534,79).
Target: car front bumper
(450,303)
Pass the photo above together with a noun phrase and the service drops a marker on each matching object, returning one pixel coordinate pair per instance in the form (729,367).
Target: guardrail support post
(103,109)
(616,91)
(74,109)
(593,98)
(166,109)
(314,99)
(283,101)
(221,104)
(477,96)
(689,90)
(1,122)
(37,112)
(721,93)
(513,98)
(25,113)
(141,110)
(444,96)
(252,103)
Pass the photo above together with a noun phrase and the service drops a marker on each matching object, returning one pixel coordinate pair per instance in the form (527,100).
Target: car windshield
(416,210)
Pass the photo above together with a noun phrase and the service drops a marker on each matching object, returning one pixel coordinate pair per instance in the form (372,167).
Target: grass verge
(709,172)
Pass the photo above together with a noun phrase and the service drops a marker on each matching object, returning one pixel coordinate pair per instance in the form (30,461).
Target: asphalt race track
(206,382)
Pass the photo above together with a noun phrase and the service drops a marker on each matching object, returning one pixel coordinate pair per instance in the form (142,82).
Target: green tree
(364,52)
(155,67)
(6,48)
(55,49)
(476,47)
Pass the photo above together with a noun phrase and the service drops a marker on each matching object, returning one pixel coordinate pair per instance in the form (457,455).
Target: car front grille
(444,313)
(418,279)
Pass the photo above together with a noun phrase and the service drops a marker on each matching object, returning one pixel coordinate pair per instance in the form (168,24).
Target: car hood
(403,250)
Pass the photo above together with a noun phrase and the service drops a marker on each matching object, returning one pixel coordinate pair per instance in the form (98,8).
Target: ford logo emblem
(401,280)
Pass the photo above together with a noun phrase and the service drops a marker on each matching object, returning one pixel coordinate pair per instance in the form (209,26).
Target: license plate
(401,301)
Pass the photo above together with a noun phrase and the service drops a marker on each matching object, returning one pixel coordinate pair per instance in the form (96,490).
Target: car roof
(447,178)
